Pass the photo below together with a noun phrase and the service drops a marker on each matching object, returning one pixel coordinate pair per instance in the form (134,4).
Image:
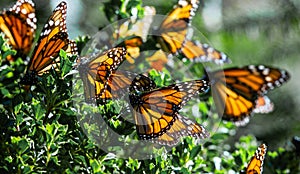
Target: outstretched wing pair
(238,92)
(156,110)
(19,25)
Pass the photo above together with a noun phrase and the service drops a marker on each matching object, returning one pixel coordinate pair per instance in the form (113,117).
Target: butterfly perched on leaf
(53,38)
(255,165)
(19,24)
(156,110)
(96,72)
(173,33)
(236,91)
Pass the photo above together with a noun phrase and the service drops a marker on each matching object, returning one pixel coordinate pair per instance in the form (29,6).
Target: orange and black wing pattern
(197,52)
(133,48)
(53,38)
(117,86)
(96,72)
(72,49)
(235,90)
(157,60)
(181,127)
(19,25)
(156,110)
(174,28)
(174,31)
(255,166)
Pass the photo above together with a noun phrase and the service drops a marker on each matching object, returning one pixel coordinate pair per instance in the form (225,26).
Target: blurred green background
(250,32)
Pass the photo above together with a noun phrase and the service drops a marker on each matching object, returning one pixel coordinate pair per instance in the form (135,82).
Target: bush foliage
(41,130)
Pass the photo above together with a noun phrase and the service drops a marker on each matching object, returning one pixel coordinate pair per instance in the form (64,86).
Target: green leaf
(21,143)
(65,63)
(96,166)
(6,93)
(18,108)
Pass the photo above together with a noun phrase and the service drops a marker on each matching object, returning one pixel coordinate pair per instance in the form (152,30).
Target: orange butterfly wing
(19,25)
(117,86)
(72,48)
(197,52)
(156,111)
(53,38)
(230,104)
(180,128)
(235,90)
(96,72)
(255,165)
(133,48)
(132,33)
(174,28)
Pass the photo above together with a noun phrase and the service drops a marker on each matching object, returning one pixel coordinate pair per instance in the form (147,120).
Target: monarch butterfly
(95,73)
(156,110)
(19,25)
(235,90)
(255,166)
(174,29)
(54,37)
